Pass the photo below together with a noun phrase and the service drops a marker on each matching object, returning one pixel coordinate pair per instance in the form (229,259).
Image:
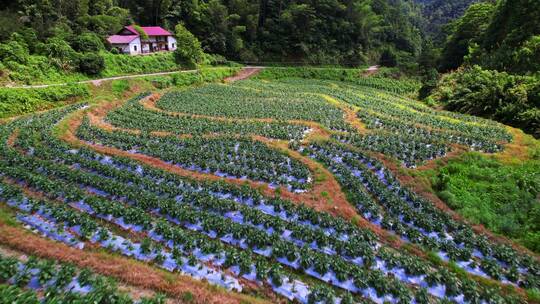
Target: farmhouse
(129,41)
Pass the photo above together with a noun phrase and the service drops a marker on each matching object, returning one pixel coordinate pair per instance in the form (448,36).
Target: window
(173,46)
(135,47)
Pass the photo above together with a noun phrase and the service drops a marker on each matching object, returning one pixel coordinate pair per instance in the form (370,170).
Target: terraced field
(274,191)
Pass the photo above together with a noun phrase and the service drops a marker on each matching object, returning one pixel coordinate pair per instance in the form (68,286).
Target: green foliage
(528,56)
(186,79)
(126,64)
(534,294)
(341,74)
(91,63)
(101,24)
(429,83)
(141,32)
(388,58)
(439,13)
(59,53)
(187,297)
(20,101)
(119,86)
(501,197)
(466,30)
(88,42)
(13,51)
(513,24)
(189,51)
(498,37)
(514,100)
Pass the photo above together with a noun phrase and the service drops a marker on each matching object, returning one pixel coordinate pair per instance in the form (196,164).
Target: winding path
(246,72)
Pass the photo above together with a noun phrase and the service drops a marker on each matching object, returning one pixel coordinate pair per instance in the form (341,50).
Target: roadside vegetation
(15,102)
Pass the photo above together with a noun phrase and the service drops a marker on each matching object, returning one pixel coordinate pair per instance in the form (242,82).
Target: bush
(141,32)
(513,100)
(88,42)
(126,64)
(20,101)
(13,51)
(91,63)
(59,53)
(500,196)
(214,59)
(189,51)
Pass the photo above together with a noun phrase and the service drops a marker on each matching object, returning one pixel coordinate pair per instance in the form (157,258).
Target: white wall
(130,48)
(171,42)
(134,43)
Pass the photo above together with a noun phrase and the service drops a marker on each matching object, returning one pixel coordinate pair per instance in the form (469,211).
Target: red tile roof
(150,30)
(121,39)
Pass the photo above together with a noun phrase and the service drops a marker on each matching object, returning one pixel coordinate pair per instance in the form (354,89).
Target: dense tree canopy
(439,13)
(347,32)
(466,30)
(497,50)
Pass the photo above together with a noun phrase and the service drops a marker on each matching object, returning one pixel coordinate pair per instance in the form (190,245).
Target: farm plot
(233,236)
(252,102)
(401,128)
(133,115)
(23,281)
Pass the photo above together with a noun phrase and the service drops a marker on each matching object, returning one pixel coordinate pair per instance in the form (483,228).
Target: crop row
(20,282)
(224,156)
(382,200)
(235,101)
(215,223)
(133,217)
(401,128)
(133,115)
(409,149)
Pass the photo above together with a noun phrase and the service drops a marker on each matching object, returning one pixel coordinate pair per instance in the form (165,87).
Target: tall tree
(466,30)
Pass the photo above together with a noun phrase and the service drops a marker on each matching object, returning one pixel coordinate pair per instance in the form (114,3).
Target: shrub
(510,99)
(20,101)
(126,64)
(189,51)
(13,51)
(59,53)
(88,42)
(141,32)
(187,297)
(501,197)
(91,63)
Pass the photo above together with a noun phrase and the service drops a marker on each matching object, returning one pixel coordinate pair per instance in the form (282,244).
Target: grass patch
(6,216)
(127,64)
(120,86)
(319,175)
(14,102)
(187,297)
(534,295)
(342,74)
(504,197)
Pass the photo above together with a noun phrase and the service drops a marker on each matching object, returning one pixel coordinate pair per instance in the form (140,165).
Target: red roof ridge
(121,39)
(150,30)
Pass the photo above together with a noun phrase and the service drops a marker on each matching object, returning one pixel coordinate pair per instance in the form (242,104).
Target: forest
(447,45)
